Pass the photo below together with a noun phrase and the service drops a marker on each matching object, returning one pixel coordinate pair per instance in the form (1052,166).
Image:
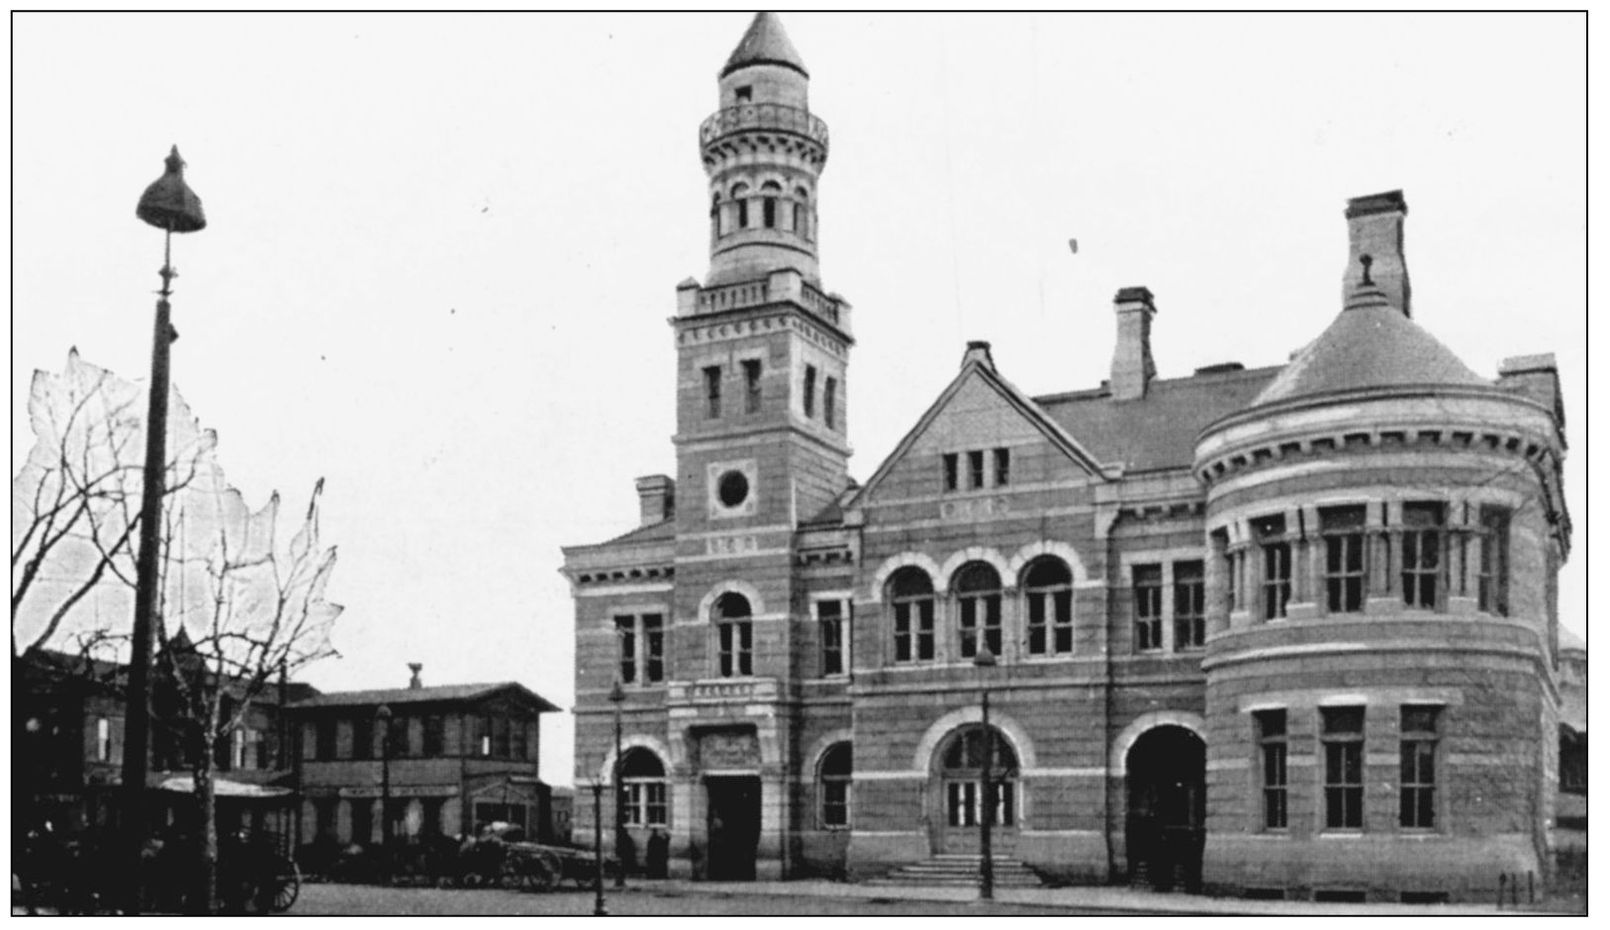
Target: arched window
(770,191)
(1048,597)
(734,636)
(911,597)
(978,608)
(802,208)
(833,786)
(963,767)
(740,194)
(715,216)
(643,789)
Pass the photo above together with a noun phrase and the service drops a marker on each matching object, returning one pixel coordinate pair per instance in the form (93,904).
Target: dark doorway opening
(1166,779)
(734,827)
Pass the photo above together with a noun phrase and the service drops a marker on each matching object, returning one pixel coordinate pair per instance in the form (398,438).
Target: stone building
(1279,631)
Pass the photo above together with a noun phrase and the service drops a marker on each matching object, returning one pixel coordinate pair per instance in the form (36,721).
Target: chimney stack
(1375,229)
(656,499)
(1132,367)
(414,684)
(978,350)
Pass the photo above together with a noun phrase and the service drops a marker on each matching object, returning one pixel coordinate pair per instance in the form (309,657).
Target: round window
(733,488)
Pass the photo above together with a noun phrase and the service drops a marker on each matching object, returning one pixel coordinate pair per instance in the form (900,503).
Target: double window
(1190,616)
(1343,531)
(1276,558)
(1417,808)
(1272,756)
(1048,595)
(1422,554)
(1148,592)
(734,636)
(978,609)
(1492,567)
(641,639)
(1342,736)
(911,597)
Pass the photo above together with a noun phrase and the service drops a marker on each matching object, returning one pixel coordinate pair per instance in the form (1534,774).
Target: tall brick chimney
(1375,229)
(656,499)
(1132,366)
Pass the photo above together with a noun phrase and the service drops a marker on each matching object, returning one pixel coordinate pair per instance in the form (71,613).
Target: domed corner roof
(1367,346)
(766,42)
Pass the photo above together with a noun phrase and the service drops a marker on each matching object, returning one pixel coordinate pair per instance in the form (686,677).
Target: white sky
(443,249)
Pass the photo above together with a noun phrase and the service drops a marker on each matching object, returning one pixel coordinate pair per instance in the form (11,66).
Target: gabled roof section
(979,365)
(766,43)
(1157,431)
(437,694)
(1370,344)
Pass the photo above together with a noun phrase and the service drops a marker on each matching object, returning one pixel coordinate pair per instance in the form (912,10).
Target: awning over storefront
(223,788)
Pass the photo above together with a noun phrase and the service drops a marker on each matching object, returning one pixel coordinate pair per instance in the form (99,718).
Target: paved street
(663,901)
(682,898)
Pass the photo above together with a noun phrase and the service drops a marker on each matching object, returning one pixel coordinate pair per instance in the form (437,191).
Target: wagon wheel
(513,874)
(544,874)
(286,883)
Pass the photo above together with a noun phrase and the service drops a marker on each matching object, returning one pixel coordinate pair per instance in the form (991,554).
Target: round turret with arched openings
(764,152)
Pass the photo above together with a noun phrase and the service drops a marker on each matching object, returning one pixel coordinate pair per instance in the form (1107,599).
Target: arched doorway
(958,796)
(1165,776)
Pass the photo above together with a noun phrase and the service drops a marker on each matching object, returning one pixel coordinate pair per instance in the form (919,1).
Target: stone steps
(953,870)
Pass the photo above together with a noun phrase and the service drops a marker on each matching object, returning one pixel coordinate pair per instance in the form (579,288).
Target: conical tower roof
(765,43)
(1370,344)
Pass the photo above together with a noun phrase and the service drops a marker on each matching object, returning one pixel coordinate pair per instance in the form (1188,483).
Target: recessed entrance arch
(1165,787)
(956,792)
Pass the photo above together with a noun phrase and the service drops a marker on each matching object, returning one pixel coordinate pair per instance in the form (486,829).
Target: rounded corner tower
(1385,532)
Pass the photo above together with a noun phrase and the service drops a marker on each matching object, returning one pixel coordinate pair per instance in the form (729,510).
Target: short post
(598,849)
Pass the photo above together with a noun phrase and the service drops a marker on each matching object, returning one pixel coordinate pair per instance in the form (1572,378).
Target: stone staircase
(960,871)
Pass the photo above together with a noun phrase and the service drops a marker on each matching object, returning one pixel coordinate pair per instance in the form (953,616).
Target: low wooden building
(450,758)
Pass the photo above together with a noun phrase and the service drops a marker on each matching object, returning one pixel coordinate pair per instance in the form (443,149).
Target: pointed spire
(765,43)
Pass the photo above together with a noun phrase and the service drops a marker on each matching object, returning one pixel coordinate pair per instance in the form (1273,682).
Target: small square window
(745,93)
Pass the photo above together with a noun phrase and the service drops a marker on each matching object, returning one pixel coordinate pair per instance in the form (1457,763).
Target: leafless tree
(237,614)
(75,501)
(235,609)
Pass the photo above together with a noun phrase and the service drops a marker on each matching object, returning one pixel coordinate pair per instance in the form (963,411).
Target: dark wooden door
(733,827)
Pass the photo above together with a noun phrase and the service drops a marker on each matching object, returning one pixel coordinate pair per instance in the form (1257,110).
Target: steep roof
(1369,344)
(393,696)
(765,43)
(978,363)
(1160,429)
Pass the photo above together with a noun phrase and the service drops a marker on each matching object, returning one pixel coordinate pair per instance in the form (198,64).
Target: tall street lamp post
(598,849)
(617,697)
(986,877)
(383,714)
(171,206)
